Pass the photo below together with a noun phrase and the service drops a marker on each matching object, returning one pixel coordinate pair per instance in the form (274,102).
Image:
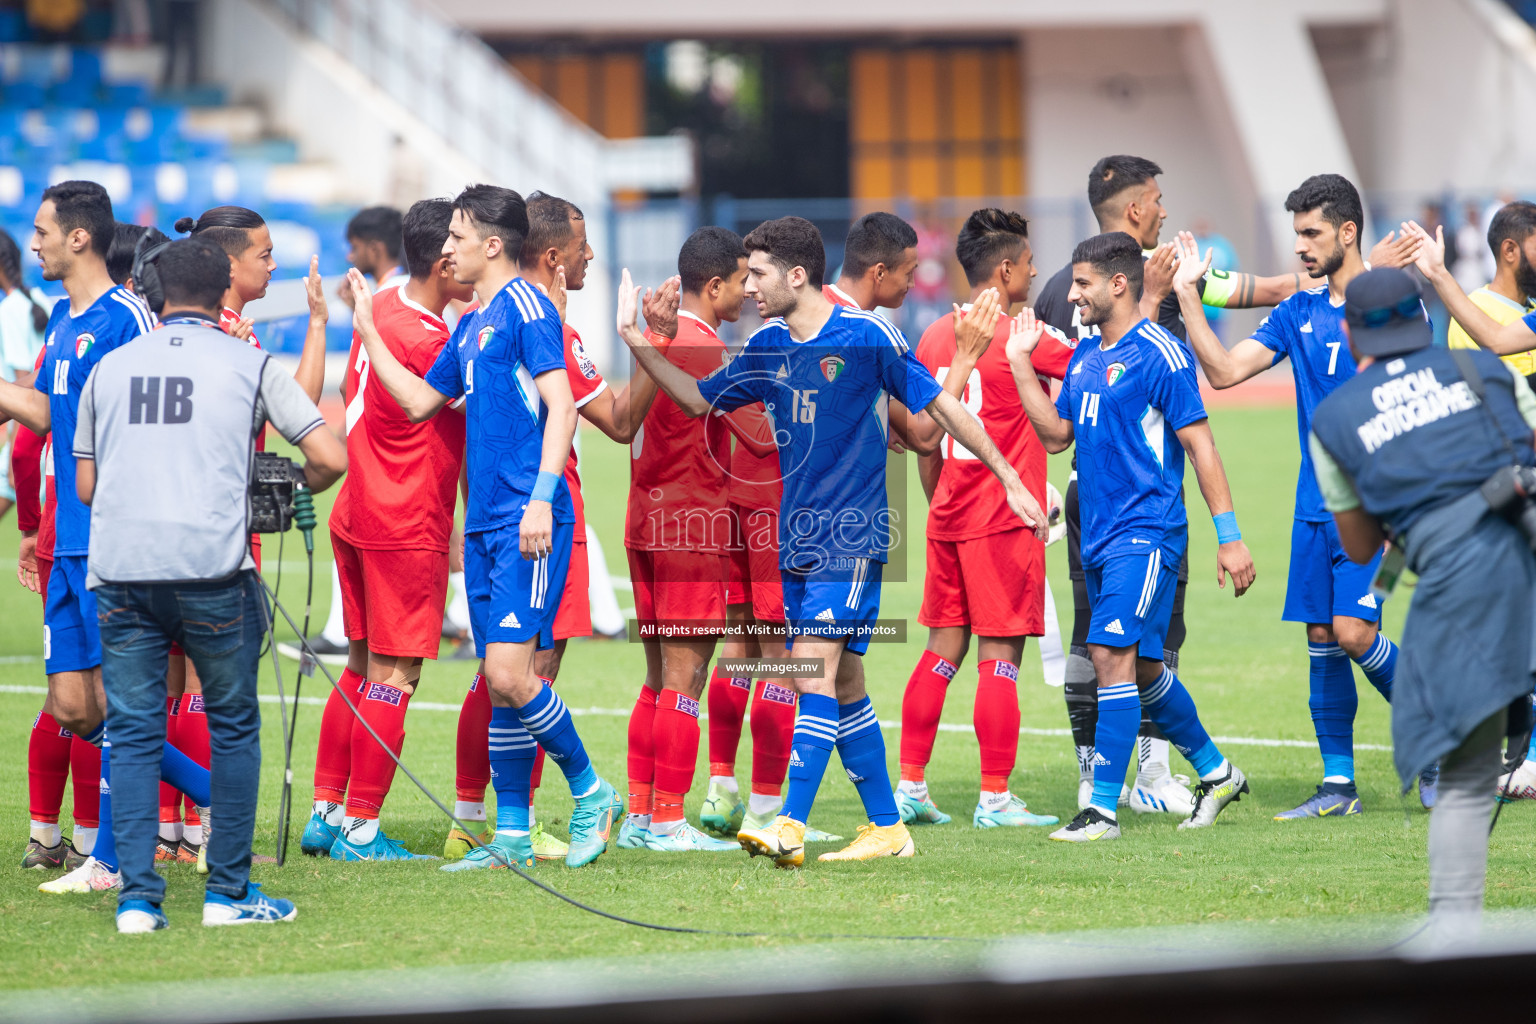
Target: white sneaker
(1519,784)
(1089,826)
(91,876)
(1211,797)
(1162,794)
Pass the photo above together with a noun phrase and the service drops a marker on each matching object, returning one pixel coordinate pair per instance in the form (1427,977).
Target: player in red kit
(389,532)
(677,533)
(554,257)
(985,575)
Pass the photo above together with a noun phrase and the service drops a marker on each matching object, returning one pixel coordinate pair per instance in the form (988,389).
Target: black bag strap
(1474,378)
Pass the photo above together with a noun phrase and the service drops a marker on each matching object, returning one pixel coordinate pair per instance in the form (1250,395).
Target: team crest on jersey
(485,336)
(83,345)
(1114,372)
(583,361)
(832,367)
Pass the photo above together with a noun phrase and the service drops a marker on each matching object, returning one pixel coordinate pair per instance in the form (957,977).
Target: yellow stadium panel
(924,178)
(870,96)
(874,177)
(920,96)
(573,84)
(623,96)
(1007,94)
(969,101)
(969,174)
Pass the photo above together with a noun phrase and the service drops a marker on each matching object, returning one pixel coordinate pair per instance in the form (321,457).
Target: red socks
(537,775)
(676,737)
(997,723)
(728,696)
(85,774)
(642,751)
(192,740)
(472,758)
(47,767)
(170,796)
(773,733)
(333,757)
(383,707)
(921,706)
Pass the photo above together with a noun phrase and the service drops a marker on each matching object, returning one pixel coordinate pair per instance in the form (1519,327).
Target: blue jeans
(220,626)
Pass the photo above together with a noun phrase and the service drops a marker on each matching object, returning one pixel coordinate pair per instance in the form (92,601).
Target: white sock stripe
(1116,692)
(545,719)
(815,728)
(1159,689)
(1377,655)
(858,723)
(1325,650)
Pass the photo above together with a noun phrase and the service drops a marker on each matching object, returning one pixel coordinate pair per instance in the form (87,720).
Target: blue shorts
(71,636)
(1323,581)
(1131,597)
(840,600)
(513,599)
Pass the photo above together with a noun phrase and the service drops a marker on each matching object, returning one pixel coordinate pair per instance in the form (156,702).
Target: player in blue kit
(507,359)
(1131,403)
(1326,591)
(826,373)
(71,235)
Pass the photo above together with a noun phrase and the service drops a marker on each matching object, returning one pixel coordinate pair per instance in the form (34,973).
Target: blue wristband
(544,487)
(1226,527)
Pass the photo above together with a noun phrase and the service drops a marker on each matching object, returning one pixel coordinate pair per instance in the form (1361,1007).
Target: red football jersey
(402,477)
(968,501)
(837,296)
(45,530)
(678,478)
(586,384)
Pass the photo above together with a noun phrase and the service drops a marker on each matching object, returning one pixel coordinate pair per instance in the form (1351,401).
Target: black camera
(1511,492)
(274,480)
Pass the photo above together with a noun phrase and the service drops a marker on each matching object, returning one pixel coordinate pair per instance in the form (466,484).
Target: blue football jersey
(1309,330)
(491,360)
(74,346)
(1125,403)
(828,398)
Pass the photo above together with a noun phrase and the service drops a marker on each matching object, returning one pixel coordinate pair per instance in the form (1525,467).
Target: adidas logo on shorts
(1368,601)
(510,622)
(1113,627)
(826,616)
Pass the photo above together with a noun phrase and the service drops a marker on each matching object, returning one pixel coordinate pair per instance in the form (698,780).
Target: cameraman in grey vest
(165,443)
(1431,447)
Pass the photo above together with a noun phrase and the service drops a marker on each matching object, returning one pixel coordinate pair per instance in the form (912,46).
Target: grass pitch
(1247,670)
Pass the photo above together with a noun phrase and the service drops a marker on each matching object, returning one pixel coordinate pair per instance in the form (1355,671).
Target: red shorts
(993,584)
(754,563)
(574,616)
(392,599)
(678,586)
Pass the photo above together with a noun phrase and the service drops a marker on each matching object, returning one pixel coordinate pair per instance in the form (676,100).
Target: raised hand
(314,291)
(557,294)
(1157,275)
(1024,333)
(629,307)
(660,307)
(1396,250)
(362,298)
(1429,252)
(974,329)
(1191,267)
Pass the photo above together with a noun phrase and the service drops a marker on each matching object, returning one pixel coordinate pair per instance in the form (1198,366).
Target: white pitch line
(427,705)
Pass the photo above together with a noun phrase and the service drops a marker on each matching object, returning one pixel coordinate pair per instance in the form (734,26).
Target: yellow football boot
(876,841)
(783,840)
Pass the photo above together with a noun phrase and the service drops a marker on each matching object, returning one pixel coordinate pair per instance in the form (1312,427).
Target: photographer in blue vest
(1431,448)
(165,442)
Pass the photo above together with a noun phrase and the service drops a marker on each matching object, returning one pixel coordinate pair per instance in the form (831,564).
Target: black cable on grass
(524,875)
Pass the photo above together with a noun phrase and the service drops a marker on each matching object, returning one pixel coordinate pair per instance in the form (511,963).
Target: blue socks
(1173,709)
(1114,743)
(549,722)
(105,850)
(186,775)
(816,728)
(511,750)
(1380,665)
(862,750)
(1333,702)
